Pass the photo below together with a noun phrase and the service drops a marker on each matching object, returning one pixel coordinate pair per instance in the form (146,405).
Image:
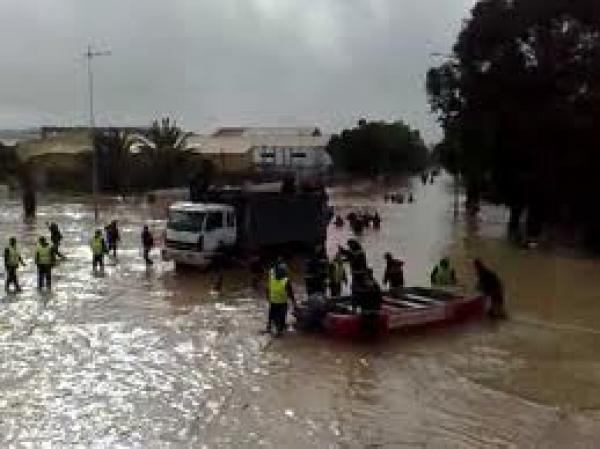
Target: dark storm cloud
(211,62)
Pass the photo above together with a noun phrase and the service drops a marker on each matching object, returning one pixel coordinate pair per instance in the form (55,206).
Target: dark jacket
(147,239)
(394,273)
(489,282)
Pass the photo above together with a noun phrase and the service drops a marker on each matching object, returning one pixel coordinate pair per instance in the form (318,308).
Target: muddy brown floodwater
(141,358)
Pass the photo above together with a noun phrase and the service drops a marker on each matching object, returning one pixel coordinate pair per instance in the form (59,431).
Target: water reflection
(152,357)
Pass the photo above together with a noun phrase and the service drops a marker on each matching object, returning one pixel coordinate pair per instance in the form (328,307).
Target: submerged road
(154,358)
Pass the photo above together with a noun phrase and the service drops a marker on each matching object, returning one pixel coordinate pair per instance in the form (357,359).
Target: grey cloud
(226,62)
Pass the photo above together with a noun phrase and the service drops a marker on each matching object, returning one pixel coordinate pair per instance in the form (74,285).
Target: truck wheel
(179,267)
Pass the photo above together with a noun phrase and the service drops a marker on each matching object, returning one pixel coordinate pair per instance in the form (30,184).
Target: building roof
(187,206)
(73,143)
(240,131)
(242,144)
(218,145)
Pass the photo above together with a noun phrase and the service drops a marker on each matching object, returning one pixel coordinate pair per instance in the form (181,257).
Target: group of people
(101,246)
(398,198)
(322,274)
(358,221)
(47,253)
(45,256)
(429,176)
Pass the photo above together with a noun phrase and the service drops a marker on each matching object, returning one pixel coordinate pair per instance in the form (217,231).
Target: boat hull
(411,309)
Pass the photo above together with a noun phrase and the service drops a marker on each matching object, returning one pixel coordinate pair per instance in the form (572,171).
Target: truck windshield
(186,221)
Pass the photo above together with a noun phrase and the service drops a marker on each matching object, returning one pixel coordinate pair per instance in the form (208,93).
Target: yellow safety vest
(443,276)
(43,254)
(277,290)
(97,246)
(13,257)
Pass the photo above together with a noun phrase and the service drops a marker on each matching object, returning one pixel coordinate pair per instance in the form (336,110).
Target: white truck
(243,221)
(196,232)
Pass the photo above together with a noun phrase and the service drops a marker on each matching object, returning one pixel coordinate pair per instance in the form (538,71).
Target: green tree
(378,148)
(519,100)
(114,151)
(164,144)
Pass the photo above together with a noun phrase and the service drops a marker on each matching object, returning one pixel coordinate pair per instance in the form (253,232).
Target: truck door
(230,229)
(214,231)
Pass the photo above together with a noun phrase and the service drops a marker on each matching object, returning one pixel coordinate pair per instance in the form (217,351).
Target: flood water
(154,358)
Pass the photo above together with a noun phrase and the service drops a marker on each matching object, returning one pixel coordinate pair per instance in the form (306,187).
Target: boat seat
(422,299)
(404,303)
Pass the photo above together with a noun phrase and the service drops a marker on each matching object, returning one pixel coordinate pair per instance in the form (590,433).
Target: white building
(271,151)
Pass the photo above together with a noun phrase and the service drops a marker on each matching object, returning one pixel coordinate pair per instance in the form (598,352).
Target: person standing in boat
(316,272)
(443,275)
(337,276)
(490,285)
(356,257)
(369,298)
(394,273)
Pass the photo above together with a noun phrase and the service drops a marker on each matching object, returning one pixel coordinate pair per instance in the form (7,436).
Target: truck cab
(197,232)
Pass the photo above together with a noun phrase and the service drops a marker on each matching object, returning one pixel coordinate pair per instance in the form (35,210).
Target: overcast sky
(223,62)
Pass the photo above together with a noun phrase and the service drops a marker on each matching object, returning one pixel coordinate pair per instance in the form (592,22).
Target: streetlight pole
(91,54)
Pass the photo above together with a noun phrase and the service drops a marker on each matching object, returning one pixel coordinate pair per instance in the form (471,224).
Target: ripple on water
(151,358)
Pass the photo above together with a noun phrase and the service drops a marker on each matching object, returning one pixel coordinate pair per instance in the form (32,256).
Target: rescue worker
(147,244)
(357,259)
(337,276)
(490,285)
(44,259)
(279,291)
(376,221)
(12,260)
(55,239)
(112,237)
(369,298)
(443,275)
(316,272)
(394,272)
(99,249)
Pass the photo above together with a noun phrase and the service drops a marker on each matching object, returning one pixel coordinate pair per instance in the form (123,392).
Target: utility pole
(91,54)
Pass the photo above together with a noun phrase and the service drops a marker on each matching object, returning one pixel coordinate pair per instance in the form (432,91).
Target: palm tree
(165,142)
(114,147)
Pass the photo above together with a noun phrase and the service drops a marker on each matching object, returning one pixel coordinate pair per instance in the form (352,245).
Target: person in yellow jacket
(443,275)
(98,247)
(12,260)
(44,259)
(279,291)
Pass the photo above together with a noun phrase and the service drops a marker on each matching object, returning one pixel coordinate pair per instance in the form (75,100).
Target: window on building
(214,221)
(299,154)
(266,154)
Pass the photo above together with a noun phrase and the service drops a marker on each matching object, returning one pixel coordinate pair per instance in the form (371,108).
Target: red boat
(413,308)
